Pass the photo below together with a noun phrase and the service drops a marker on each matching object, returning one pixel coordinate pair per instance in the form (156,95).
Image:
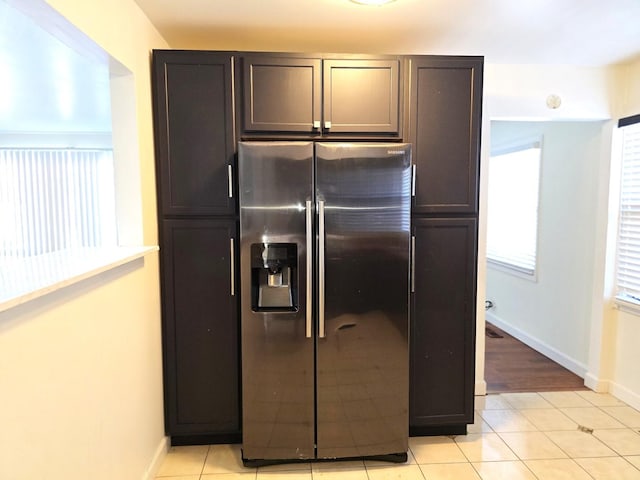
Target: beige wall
(80,371)
(81,368)
(621,331)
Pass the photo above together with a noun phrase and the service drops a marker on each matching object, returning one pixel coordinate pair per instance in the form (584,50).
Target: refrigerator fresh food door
(276,232)
(363,194)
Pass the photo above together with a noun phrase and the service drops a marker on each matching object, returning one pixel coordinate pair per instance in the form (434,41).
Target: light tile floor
(516,436)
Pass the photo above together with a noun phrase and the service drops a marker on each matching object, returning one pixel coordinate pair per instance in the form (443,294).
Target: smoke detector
(553,101)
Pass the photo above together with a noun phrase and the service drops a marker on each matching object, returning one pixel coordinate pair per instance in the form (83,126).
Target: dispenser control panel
(274,273)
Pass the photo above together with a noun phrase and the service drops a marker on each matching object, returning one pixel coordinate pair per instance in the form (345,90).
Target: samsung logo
(395,152)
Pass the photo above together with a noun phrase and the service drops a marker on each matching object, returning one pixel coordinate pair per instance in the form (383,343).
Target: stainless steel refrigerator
(325,273)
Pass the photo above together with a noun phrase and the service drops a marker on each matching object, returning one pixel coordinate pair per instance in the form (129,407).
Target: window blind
(512,221)
(628,246)
(55,199)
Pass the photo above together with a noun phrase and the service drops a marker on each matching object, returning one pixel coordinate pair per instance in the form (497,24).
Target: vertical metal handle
(413,180)
(233,266)
(413,264)
(321,246)
(230,176)
(309,253)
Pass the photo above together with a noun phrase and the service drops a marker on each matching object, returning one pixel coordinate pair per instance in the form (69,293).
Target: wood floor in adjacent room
(512,366)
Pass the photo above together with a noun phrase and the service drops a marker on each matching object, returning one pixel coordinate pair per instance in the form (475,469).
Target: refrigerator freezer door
(363,362)
(275,181)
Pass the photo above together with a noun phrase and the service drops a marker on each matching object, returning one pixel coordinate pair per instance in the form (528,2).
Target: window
(55,199)
(70,198)
(628,241)
(512,222)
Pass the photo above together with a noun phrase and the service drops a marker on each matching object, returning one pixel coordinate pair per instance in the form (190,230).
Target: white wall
(81,369)
(553,313)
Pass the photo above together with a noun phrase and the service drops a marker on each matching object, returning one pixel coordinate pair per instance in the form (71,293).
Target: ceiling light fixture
(372,2)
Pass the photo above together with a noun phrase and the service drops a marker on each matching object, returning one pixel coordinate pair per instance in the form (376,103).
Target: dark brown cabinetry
(320,96)
(194,132)
(204,102)
(443,325)
(281,94)
(195,149)
(444,128)
(200,328)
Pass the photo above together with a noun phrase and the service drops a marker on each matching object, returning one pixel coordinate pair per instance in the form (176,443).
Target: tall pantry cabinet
(195,149)
(204,103)
(444,129)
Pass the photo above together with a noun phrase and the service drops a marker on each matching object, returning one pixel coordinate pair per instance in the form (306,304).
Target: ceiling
(578,32)
(50,87)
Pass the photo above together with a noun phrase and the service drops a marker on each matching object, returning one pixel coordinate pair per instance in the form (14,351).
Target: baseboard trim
(629,397)
(596,384)
(480,388)
(547,350)
(156,461)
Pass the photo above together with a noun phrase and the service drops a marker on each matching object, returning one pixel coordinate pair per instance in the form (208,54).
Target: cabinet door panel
(194,132)
(200,327)
(445,132)
(361,96)
(443,322)
(281,94)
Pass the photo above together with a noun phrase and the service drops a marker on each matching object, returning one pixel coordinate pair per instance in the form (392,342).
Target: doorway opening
(538,326)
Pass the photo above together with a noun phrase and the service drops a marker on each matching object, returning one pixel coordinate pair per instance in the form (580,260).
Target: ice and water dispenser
(274,277)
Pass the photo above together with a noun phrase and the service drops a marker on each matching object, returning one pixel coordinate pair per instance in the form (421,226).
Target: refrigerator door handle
(233,266)
(230,178)
(321,247)
(413,264)
(413,180)
(309,212)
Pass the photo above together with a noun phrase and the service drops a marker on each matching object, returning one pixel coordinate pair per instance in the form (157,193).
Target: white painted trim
(23,280)
(596,384)
(158,458)
(629,397)
(480,388)
(557,356)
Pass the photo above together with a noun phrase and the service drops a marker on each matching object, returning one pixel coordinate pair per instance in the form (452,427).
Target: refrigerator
(325,282)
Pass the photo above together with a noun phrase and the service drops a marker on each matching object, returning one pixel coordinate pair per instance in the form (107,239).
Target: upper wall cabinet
(444,128)
(281,94)
(193,102)
(315,97)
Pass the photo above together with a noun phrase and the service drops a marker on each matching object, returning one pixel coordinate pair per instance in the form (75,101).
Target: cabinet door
(361,96)
(444,128)
(194,132)
(281,94)
(200,327)
(443,323)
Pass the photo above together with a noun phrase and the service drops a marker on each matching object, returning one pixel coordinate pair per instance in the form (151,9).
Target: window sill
(27,279)
(530,275)
(627,304)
